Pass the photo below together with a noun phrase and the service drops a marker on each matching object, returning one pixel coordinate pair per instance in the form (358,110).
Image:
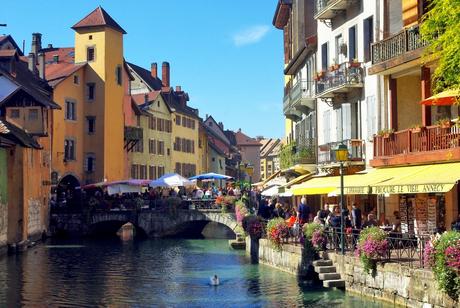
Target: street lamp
(341,155)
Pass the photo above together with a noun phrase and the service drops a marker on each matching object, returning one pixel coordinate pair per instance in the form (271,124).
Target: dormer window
(33,115)
(14,113)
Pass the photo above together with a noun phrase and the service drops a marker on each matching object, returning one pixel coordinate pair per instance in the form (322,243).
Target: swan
(214,280)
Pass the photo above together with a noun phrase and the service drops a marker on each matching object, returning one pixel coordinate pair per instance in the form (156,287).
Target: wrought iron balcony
(339,79)
(397,45)
(417,145)
(328,9)
(356,149)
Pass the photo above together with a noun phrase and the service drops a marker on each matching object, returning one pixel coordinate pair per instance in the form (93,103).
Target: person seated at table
(370,222)
(317,219)
(208,193)
(456,224)
(291,221)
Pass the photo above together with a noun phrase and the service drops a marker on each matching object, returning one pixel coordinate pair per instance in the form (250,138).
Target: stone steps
(336,283)
(322,263)
(325,269)
(328,274)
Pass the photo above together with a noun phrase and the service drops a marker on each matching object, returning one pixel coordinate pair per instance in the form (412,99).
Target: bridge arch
(108,223)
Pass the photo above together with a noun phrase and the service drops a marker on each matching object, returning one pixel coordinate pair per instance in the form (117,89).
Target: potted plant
(444,123)
(241,211)
(354,63)
(416,128)
(372,245)
(253,226)
(386,132)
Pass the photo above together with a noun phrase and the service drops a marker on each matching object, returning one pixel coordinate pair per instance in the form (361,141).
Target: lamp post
(341,155)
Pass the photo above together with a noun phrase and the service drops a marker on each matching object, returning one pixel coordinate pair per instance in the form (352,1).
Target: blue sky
(225,53)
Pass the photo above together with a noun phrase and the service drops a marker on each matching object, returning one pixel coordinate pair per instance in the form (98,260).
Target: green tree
(440,28)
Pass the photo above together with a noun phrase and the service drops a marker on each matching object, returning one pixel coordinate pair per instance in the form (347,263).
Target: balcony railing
(431,138)
(327,9)
(346,76)
(405,41)
(356,150)
(302,95)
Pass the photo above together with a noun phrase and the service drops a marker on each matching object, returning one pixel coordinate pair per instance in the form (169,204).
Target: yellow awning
(418,179)
(301,178)
(317,186)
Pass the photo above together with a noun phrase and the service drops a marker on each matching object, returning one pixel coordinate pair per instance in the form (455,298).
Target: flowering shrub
(372,245)
(240,212)
(319,240)
(277,229)
(253,226)
(310,228)
(443,255)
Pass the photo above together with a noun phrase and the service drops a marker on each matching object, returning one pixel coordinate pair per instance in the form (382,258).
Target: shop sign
(357,190)
(409,189)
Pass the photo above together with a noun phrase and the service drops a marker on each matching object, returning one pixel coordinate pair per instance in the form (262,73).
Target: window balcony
(417,146)
(328,9)
(340,79)
(288,109)
(395,50)
(302,96)
(356,149)
(132,136)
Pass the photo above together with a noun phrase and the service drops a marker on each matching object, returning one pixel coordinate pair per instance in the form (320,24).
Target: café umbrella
(171,180)
(210,176)
(445,98)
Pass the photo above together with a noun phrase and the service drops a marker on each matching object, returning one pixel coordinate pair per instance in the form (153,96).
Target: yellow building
(203,151)
(151,157)
(88,82)
(269,157)
(185,154)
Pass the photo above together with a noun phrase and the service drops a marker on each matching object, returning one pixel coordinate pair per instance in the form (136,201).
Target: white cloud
(250,35)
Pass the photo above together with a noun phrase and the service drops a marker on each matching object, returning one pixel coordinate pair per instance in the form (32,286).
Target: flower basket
(442,254)
(354,64)
(277,231)
(372,245)
(417,129)
(240,212)
(253,226)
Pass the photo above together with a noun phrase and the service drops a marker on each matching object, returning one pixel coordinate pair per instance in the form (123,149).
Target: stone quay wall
(393,283)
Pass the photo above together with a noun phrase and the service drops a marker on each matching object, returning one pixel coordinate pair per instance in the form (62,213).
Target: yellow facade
(62,129)
(155,157)
(183,155)
(107,107)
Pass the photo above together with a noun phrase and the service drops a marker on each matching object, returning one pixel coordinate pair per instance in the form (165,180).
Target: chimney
(41,65)
(50,46)
(165,74)
(146,98)
(36,44)
(221,125)
(31,62)
(178,89)
(55,58)
(154,70)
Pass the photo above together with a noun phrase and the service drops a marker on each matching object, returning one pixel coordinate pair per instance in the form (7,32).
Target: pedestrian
(325,213)
(303,211)
(356,218)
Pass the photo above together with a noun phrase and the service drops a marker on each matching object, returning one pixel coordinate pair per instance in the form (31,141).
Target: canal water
(153,273)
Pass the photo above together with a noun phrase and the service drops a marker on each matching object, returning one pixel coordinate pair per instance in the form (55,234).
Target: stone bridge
(154,223)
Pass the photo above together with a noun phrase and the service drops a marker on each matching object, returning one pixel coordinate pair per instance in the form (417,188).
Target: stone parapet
(393,282)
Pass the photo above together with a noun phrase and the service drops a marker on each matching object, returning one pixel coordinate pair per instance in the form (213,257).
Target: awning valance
(398,180)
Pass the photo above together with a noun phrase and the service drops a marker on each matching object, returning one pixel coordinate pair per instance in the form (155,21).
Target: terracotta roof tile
(98,17)
(242,139)
(140,98)
(65,54)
